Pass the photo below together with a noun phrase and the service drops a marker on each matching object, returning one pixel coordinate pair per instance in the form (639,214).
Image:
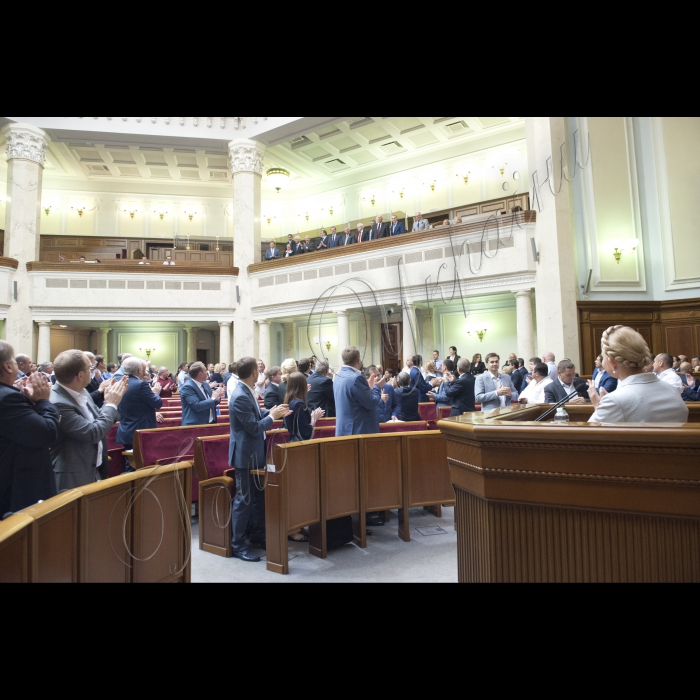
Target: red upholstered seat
(324,432)
(153,447)
(444,413)
(326,423)
(117,463)
(211,457)
(277,437)
(402,427)
(428,412)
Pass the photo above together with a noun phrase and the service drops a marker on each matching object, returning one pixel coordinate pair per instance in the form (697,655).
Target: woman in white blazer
(640,397)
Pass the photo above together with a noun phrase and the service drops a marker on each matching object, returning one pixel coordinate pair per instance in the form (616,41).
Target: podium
(574,503)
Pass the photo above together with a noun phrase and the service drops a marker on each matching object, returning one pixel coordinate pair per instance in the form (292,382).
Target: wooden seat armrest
(222,480)
(230,473)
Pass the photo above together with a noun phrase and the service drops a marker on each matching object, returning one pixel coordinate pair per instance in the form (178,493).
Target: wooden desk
(574,503)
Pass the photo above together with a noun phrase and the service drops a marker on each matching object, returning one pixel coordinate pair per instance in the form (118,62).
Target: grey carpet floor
(430,557)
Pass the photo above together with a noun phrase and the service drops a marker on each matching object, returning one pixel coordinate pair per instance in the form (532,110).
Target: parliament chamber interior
(349,349)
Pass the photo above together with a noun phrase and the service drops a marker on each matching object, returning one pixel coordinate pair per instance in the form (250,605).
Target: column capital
(246,156)
(223,324)
(44,324)
(521,293)
(26,142)
(263,323)
(343,314)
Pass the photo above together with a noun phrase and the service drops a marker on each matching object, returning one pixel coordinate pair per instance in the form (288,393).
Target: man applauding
(249,426)
(28,428)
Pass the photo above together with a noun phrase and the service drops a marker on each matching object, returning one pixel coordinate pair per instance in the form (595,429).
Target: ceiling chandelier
(242,122)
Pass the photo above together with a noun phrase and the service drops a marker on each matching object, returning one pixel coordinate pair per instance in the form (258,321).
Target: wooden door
(202,356)
(392,335)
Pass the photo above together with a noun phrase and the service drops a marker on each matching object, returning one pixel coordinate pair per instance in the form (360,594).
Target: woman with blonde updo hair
(289,367)
(640,397)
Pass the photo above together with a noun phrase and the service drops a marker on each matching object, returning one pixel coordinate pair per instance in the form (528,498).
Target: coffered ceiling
(346,149)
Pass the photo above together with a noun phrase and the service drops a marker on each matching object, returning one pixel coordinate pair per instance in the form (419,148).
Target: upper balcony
(129,291)
(7,269)
(489,255)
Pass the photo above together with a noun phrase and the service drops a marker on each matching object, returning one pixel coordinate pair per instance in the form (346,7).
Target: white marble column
(101,344)
(343,334)
(43,353)
(26,153)
(264,342)
(191,343)
(246,159)
(225,342)
(556,290)
(526,328)
(410,332)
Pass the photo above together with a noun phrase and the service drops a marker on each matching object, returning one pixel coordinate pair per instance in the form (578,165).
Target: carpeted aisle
(430,557)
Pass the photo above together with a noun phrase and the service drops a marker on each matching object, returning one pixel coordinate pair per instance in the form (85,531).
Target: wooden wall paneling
(161,542)
(55,539)
(679,339)
(104,557)
(15,549)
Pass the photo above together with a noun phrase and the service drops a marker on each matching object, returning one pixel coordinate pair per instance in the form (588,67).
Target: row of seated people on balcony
(376,230)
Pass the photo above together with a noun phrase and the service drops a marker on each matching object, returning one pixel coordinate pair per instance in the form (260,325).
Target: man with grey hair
(28,428)
(80,455)
(419,223)
(551,361)
(361,237)
(380,229)
(139,406)
(120,372)
(47,370)
(321,394)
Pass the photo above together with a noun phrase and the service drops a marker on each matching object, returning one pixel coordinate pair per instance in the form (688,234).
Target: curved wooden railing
(505,223)
(9,262)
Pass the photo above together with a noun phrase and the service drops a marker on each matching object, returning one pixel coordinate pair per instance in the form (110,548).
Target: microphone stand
(555,408)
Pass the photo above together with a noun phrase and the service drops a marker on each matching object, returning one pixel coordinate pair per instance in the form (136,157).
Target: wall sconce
(330,211)
(218,250)
(480,334)
(47,210)
(161,211)
(81,208)
(372,199)
(465,177)
(620,247)
(191,212)
(132,209)
(328,342)
(148,351)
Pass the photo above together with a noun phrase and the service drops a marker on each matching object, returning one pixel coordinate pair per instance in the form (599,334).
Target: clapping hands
(280,412)
(115,390)
(36,387)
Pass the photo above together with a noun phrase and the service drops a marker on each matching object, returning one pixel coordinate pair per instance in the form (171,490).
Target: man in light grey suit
(493,389)
(80,455)
(419,223)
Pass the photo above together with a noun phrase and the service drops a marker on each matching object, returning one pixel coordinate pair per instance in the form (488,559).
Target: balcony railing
(10,263)
(130,267)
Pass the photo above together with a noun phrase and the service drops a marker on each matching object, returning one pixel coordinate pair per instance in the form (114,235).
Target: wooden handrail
(9,262)
(505,223)
(127,267)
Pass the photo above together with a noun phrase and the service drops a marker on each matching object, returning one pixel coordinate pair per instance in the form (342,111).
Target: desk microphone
(554,409)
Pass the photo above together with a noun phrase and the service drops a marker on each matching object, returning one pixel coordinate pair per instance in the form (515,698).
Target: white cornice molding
(39,313)
(26,142)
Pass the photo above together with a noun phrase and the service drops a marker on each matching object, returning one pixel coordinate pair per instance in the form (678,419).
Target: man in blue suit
(249,425)
(493,389)
(139,405)
(199,402)
(273,253)
(397,227)
(335,239)
(602,379)
(356,400)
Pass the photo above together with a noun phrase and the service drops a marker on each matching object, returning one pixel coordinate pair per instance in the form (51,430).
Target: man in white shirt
(262,384)
(232,384)
(438,363)
(551,361)
(184,375)
(169,261)
(535,392)
(663,368)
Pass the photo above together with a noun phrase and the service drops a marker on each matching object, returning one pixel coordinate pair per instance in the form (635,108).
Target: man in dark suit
(298,247)
(28,428)
(347,238)
(249,426)
(397,227)
(362,235)
(321,394)
(198,401)
(380,229)
(516,376)
(273,396)
(334,239)
(567,384)
(139,405)
(417,381)
(309,247)
(273,253)
(462,392)
(324,242)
